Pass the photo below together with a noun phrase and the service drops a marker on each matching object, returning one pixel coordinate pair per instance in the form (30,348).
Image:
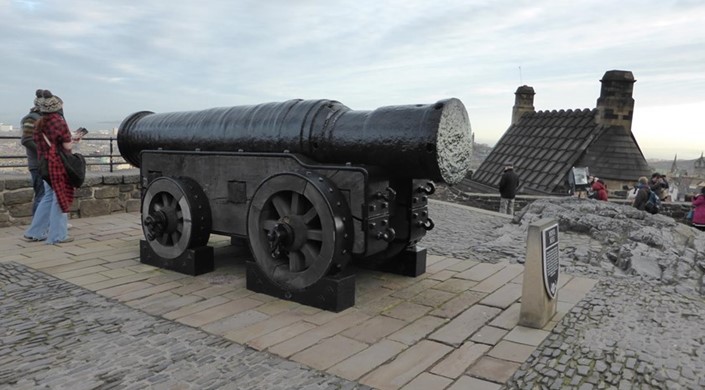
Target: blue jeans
(49,222)
(38,185)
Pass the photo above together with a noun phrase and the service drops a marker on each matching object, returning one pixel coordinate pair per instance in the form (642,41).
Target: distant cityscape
(96,147)
(10,130)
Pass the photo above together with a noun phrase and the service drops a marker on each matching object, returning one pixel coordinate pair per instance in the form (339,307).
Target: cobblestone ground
(471,234)
(60,336)
(625,334)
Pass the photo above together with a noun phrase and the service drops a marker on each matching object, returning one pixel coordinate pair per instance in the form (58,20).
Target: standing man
(28,123)
(508,185)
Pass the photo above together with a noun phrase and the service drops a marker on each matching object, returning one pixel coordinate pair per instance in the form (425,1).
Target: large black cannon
(310,184)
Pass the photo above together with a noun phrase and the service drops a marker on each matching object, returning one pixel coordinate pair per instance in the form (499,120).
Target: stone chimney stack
(524,102)
(615,106)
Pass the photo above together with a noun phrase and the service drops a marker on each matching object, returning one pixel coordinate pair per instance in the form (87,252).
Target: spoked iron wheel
(299,227)
(176,216)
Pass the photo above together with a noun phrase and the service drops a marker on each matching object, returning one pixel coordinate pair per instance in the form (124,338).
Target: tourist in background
(631,193)
(699,210)
(599,190)
(659,185)
(508,184)
(28,123)
(50,222)
(642,195)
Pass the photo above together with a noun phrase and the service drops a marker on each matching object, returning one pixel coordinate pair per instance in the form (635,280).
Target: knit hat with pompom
(50,103)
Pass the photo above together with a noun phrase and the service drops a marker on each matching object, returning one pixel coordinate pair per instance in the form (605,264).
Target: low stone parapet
(675,210)
(102,193)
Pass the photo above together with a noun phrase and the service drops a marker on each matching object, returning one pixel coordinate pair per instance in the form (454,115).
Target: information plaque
(549,259)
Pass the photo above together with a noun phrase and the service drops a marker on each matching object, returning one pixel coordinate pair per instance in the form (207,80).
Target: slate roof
(545,145)
(615,154)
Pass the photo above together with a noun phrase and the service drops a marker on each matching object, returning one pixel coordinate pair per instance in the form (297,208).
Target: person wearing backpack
(643,194)
(698,204)
(28,123)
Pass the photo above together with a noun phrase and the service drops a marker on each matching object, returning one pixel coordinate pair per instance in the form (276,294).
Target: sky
(108,59)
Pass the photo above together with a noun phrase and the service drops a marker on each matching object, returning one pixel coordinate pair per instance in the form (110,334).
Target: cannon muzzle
(431,141)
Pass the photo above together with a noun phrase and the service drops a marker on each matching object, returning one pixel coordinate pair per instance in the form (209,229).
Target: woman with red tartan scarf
(50,221)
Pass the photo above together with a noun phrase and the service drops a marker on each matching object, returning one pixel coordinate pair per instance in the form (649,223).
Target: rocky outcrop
(654,247)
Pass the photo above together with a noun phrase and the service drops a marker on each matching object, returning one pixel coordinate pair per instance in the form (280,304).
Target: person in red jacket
(599,189)
(699,210)
(50,222)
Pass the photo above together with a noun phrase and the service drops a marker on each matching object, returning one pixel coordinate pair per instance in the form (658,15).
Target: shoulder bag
(44,169)
(74,163)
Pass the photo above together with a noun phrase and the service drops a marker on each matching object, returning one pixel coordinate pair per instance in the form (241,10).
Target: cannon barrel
(431,141)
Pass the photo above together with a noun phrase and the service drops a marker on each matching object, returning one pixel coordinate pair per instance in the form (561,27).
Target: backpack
(653,205)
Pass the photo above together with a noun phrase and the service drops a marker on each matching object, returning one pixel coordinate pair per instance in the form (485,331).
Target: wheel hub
(280,239)
(288,234)
(161,221)
(155,224)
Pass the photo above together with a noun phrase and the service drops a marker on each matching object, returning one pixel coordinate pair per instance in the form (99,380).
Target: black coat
(508,184)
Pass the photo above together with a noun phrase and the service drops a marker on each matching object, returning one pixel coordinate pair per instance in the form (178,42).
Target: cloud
(109,59)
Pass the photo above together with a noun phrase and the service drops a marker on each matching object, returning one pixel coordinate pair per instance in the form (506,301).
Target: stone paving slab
(458,361)
(365,361)
(451,326)
(407,365)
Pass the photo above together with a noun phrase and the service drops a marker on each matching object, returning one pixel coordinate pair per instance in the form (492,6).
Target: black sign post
(549,259)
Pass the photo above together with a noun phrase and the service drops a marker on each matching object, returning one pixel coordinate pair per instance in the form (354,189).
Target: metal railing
(92,158)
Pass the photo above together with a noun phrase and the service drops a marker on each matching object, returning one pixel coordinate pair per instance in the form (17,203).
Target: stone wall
(102,193)
(676,210)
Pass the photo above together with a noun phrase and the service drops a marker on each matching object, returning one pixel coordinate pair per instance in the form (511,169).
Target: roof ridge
(569,111)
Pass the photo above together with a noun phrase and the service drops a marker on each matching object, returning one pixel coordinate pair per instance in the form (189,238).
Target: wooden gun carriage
(310,184)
